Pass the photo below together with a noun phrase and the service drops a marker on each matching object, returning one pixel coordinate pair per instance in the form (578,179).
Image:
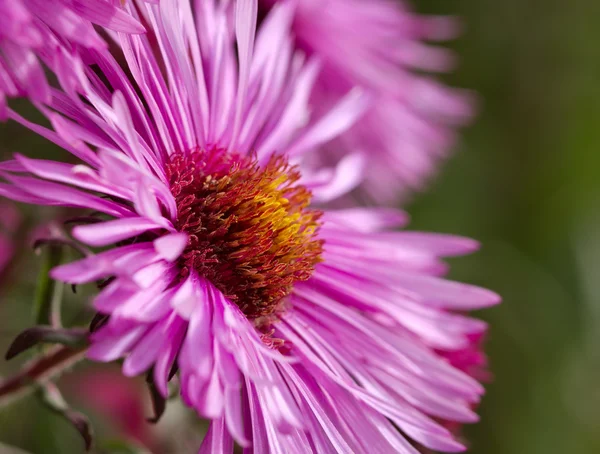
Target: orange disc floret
(251,231)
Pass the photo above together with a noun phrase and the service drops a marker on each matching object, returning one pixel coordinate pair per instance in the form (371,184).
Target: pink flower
(30,26)
(380,45)
(290,328)
(119,400)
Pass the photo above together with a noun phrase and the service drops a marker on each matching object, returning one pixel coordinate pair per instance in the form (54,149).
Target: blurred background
(524,182)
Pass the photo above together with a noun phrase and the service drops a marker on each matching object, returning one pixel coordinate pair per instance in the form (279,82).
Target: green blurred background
(524,181)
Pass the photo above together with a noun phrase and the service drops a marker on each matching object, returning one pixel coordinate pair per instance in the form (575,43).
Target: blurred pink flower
(380,45)
(27,38)
(291,329)
(117,399)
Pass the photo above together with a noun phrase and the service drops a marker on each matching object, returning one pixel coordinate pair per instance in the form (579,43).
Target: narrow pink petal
(114,294)
(110,232)
(78,175)
(147,204)
(295,114)
(66,22)
(96,266)
(255,422)
(27,70)
(18,195)
(167,355)
(59,194)
(347,175)
(197,356)
(12,165)
(432,243)
(460,295)
(185,298)
(145,352)
(156,270)
(85,154)
(147,305)
(368,219)
(217,440)
(107,15)
(233,416)
(210,400)
(134,146)
(118,169)
(245,29)
(336,121)
(171,246)
(115,346)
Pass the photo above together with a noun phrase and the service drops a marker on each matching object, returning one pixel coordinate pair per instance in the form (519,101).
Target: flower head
(380,46)
(292,329)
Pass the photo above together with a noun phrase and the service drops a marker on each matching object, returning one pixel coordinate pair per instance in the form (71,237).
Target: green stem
(46,287)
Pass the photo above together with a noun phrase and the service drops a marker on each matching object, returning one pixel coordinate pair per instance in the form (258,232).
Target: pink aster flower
(27,27)
(380,45)
(291,329)
(119,400)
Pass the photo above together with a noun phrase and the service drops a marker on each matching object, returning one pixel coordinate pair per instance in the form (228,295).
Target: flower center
(251,232)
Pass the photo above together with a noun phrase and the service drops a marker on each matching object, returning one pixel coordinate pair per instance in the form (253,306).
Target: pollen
(251,231)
